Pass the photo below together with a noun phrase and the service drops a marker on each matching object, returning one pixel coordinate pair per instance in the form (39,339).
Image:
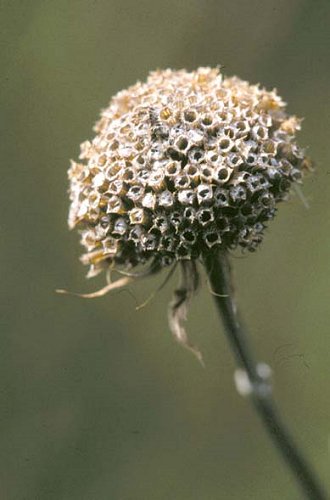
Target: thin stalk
(252,379)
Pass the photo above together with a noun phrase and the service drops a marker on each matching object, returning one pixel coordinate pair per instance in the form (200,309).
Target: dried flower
(190,164)
(182,165)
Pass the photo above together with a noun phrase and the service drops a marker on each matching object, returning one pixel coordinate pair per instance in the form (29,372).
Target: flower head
(182,165)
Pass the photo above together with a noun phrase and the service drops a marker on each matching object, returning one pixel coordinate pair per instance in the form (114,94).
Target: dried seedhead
(183,164)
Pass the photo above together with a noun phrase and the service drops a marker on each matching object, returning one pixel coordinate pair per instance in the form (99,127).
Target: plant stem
(252,381)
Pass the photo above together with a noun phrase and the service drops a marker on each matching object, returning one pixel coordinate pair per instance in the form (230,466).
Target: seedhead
(182,164)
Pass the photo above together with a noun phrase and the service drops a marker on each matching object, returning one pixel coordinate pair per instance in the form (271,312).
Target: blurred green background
(97,400)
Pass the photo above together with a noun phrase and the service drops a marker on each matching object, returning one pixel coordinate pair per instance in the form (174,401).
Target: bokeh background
(97,401)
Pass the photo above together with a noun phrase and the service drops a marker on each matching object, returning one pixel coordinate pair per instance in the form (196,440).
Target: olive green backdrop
(97,401)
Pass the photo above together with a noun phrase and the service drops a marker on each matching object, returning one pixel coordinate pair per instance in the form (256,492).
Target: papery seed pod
(206,120)
(161,222)
(222,174)
(136,233)
(193,172)
(117,188)
(166,199)
(114,171)
(190,116)
(206,173)
(157,180)
(196,138)
(181,181)
(149,201)
(266,199)
(142,177)
(158,130)
(243,128)
(190,214)
(205,216)
(259,133)
(139,216)
(115,205)
(225,144)
(234,161)
(238,194)
(168,243)
(120,228)
(251,159)
(173,169)
(221,197)
(135,193)
(212,157)
(149,242)
(176,219)
(129,175)
(204,194)
(182,143)
(186,197)
(211,237)
(196,155)
(188,236)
